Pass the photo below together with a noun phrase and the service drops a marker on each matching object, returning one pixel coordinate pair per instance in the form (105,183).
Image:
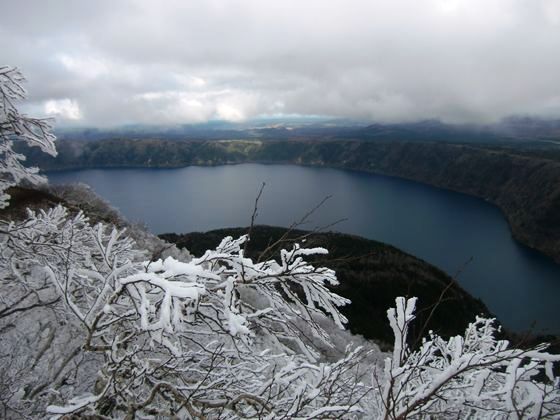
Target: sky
(109,63)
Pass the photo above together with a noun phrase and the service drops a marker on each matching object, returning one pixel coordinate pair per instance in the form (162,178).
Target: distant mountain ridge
(516,128)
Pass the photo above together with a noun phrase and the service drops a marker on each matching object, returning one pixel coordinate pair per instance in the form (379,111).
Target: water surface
(444,228)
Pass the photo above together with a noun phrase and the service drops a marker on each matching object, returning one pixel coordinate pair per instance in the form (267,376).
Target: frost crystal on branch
(16,126)
(218,336)
(469,376)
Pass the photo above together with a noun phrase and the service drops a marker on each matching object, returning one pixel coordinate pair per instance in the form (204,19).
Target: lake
(444,228)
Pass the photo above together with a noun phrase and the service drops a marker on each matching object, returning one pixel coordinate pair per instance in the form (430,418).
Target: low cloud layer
(107,63)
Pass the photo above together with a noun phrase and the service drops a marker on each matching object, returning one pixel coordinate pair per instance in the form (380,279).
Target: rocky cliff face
(523,184)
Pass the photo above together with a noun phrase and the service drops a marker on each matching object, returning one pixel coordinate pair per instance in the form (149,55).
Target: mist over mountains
(513,128)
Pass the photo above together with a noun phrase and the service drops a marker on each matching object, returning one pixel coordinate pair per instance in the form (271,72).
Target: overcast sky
(105,63)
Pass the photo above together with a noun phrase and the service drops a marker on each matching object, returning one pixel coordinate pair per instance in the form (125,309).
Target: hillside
(371,275)
(523,182)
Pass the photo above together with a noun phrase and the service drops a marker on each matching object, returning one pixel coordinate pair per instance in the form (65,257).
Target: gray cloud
(109,63)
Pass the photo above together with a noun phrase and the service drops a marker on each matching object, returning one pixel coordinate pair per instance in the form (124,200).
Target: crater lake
(455,232)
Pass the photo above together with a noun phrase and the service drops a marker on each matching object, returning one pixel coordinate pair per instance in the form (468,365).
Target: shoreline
(515,233)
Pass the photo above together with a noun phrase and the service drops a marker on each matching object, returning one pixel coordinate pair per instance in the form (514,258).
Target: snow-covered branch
(216,334)
(17,126)
(474,375)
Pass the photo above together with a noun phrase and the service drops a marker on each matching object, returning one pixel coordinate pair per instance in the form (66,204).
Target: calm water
(441,227)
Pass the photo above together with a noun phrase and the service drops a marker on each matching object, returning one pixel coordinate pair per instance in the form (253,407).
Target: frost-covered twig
(216,334)
(17,126)
(474,375)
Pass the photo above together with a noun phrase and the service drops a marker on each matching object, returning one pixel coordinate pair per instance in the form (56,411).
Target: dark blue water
(444,228)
